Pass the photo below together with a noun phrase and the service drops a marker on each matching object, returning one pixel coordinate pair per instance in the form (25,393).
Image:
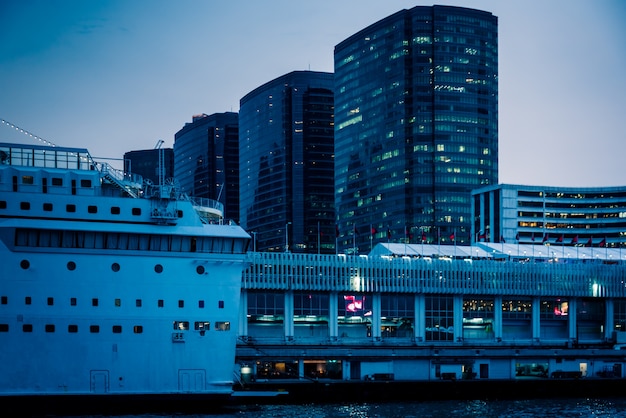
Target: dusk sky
(117,76)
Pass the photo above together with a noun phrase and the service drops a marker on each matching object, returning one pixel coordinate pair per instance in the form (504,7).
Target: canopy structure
(501,251)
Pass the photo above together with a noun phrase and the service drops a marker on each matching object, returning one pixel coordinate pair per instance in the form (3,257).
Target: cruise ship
(111,285)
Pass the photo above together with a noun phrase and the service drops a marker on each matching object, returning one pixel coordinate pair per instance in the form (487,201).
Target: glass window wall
(397,316)
(354,316)
(311,312)
(439,318)
(478,314)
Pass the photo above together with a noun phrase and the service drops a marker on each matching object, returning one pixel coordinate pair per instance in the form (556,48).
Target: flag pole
(318,237)
(454,242)
(439,241)
(404,239)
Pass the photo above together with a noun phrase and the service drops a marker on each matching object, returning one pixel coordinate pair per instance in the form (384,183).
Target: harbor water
(575,407)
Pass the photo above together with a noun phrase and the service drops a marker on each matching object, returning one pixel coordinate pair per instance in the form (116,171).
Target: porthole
(71,265)
(115,267)
(158,268)
(25,264)
(200,270)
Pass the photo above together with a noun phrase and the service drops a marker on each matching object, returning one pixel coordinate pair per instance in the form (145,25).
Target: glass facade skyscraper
(206,160)
(146,163)
(286,163)
(416,126)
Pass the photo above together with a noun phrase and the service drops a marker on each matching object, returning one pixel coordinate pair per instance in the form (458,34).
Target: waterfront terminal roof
(489,250)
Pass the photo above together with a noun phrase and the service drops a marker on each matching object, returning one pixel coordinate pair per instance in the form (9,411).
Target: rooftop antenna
(161,166)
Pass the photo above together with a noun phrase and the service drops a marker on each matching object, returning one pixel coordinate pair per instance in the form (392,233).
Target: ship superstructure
(112,285)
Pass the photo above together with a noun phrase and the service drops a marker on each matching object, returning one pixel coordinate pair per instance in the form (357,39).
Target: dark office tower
(147,163)
(206,156)
(416,126)
(286,163)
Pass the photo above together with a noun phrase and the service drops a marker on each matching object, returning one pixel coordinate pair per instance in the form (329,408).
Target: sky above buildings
(115,76)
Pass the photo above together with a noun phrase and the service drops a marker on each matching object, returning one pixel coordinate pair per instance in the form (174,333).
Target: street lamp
(253,241)
(287,236)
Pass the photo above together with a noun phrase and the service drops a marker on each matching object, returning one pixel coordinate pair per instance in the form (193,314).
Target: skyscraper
(206,159)
(286,163)
(147,163)
(416,125)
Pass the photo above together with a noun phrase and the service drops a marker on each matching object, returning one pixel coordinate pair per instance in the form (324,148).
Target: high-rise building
(154,165)
(416,126)
(206,160)
(286,163)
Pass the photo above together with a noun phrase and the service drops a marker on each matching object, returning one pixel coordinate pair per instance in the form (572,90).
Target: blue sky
(116,76)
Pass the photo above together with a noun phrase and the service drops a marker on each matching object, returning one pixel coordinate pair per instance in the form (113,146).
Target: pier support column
(243,314)
(458,317)
(536,318)
(376,322)
(497,318)
(301,369)
(288,315)
(333,308)
(420,318)
(609,323)
(572,323)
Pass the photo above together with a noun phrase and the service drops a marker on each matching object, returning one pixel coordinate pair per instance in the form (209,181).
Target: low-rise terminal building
(422,312)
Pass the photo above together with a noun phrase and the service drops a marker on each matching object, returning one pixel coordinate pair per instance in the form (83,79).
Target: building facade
(155,165)
(206,156)
(306,316)
(562,216)
(416,125)
(286,163)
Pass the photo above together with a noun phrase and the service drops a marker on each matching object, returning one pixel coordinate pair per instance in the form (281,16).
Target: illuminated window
(181,325)
(222,326)
(202,325)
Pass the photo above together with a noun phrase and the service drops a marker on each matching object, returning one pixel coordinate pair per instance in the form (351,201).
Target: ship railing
(211,211)
(120,175)
(130,183)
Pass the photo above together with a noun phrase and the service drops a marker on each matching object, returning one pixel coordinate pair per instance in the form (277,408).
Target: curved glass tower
(286,163)
(416,126)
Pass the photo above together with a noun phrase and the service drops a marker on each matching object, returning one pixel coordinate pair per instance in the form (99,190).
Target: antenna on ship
(161,165)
